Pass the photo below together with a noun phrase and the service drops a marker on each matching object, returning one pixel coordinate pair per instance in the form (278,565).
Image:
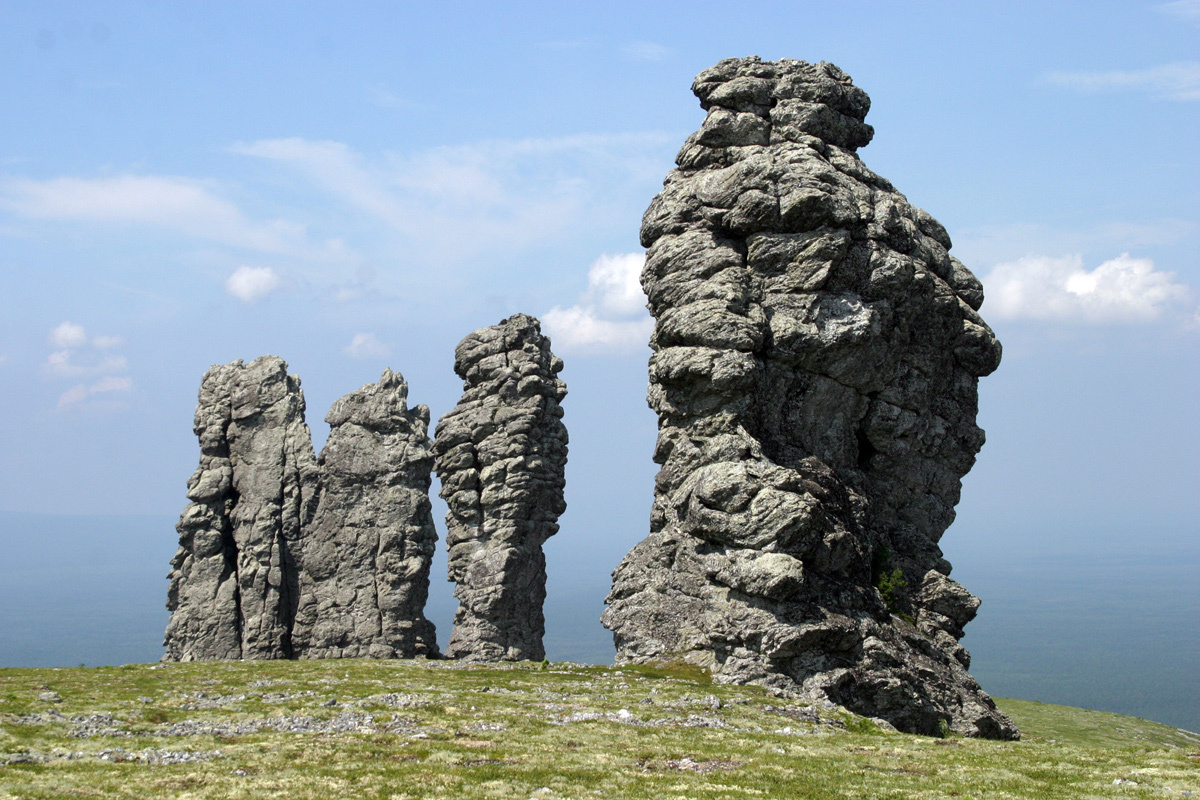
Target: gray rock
(365,576)
(234,580)
(501,454)
(284,557)
(816,359)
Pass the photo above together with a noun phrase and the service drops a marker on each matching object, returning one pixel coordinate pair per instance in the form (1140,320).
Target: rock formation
(501,454)
(367,552)
(816,358)
(281,556)
(234,580)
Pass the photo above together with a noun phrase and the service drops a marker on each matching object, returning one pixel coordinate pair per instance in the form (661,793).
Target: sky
(356,186)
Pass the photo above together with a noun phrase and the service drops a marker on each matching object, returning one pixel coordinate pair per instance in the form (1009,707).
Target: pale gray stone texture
(816,357)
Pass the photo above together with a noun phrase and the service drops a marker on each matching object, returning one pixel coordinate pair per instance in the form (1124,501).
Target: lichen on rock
(816,358)
(501,455)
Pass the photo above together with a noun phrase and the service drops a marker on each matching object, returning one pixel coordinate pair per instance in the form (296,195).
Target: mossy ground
(414,729)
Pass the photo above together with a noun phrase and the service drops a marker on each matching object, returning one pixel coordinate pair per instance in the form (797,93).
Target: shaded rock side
(816,358)
(234,580)
(365,576)
(501,454)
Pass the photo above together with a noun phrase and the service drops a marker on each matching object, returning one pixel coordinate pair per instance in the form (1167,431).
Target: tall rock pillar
(501,454)
(235,580)
(367,552)
(816,357)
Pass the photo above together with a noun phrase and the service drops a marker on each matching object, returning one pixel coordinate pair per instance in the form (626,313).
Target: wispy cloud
(454,202)
(1177,81)
(647,51)
(611,315)
(80,392)
(1121,290)
(1188,10)
(172,203)
(251,284)
(366,345)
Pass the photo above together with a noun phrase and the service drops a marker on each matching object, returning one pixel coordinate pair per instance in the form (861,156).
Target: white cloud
(646,51)
(68,334)
(80,392)
(107,342)
(1188,10)
(451,203)
(1123,289)
(250,284)
(64,364)
(172,203)
(365,345)
(611,315)
(78,357)
(1177,81)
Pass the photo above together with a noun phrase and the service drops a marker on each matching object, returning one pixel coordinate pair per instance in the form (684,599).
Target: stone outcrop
(816,358)
(501,454)
(234,580)
(367,552)
(282,556)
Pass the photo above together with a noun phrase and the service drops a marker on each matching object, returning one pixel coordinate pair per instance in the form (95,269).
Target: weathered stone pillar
(501,454)
(816,356)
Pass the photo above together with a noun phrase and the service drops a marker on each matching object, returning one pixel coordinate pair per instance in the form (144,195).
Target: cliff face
(284,557)
(816,357)
(501,455)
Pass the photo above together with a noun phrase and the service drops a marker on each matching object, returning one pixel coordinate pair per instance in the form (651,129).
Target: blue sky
(354,186)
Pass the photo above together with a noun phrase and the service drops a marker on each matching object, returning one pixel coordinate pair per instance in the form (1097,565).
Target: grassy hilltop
(415,729)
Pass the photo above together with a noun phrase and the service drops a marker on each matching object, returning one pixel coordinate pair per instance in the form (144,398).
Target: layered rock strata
(501,454)
(366,554)
(816,358)
(284,556)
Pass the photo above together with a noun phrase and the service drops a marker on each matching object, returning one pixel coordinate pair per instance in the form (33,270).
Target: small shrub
(892,585)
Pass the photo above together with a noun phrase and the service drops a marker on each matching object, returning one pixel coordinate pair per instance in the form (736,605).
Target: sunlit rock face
(367,552)
(816,358)
(284,556)
(235,578)
(501,457)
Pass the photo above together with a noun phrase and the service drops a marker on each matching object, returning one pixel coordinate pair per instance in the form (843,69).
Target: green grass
(413,729)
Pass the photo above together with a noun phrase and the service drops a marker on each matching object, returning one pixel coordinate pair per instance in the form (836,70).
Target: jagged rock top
(501,454)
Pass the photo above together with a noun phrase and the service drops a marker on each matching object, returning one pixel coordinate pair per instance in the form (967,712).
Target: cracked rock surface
(284,556)
(367,552)
(501,454)
(234,580)
(816,358)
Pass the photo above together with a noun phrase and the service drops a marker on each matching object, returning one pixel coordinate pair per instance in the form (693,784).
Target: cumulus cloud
(366,345)
(80,356)
(610,316)
(68,334)
(1123,289)
(1176,81)
(250,284)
